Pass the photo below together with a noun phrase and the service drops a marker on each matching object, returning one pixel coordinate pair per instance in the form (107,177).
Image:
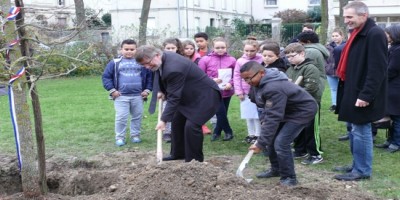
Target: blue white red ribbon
(12,14)
(14,121)
(10,46)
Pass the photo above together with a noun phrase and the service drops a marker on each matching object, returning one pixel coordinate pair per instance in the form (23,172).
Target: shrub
(292,16)
(106,19)
(314,14)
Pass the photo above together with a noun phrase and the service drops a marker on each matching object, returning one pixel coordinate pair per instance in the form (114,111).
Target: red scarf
(341,70)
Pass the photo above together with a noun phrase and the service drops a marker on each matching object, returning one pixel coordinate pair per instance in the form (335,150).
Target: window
(212,22)
(62,21)
(197,22)
(234,5)
(270,2)
(224,4)
(315,2)
(212,3)
(225,22)
(61,2)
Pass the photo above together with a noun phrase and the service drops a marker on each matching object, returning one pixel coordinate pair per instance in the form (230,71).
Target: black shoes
(344,137)
(383,146)
(344,169)
(215,137)
(169,158)
(228,136)
(288,182)
(350,177)
(268,174)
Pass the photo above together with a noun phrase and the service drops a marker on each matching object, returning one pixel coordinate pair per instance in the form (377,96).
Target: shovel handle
(159,153)
(299,79)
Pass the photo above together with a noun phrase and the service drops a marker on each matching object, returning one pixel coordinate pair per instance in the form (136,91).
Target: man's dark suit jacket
(188,89)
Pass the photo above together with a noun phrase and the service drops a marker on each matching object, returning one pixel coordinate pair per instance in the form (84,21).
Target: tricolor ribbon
(12,14)
(10,46)
(14,121)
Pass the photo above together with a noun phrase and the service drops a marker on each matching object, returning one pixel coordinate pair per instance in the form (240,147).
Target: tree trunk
(324,21)
(80,17)
(29,171)
(143,22)
(40,141)
(341,19)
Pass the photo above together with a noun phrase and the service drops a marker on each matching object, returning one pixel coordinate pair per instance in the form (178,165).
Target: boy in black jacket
(287,109)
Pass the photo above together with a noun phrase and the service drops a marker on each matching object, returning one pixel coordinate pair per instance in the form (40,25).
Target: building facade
(179,18)
(59,13)
(183,18)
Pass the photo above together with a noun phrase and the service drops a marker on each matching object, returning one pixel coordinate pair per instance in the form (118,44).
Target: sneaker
(297,155)
(253,139)
(249,139)
(288,182)
(136,139)
(392,148)
(332,108)
(120,143)
(312,160)
(383,146)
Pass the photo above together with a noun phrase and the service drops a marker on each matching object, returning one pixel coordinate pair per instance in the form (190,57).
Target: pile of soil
(133,174)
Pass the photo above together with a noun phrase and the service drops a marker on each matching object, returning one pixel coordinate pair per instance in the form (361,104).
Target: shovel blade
(243,164)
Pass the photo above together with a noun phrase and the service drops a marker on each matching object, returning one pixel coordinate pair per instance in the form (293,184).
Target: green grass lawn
(78,121)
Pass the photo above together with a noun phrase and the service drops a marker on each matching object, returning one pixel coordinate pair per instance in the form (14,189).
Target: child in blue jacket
(128,84)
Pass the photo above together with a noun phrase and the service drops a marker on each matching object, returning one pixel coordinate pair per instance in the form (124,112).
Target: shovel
(243,164)
(159,153)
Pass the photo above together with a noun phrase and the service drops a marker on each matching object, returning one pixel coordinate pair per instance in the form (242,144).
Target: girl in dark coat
(393,109)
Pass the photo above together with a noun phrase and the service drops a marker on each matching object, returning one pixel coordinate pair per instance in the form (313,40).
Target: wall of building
(179,18)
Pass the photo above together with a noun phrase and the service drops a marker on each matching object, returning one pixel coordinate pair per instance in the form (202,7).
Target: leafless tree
(33,175)
(324,21)
(341,19)
(80,15)
(143,21)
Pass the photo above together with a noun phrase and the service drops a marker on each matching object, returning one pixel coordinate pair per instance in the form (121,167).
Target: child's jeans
(125,105)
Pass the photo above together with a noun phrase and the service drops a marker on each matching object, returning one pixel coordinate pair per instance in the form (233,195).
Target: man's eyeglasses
(249,79)
(148,62)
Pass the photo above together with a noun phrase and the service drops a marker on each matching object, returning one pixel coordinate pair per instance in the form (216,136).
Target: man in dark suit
(193,99)
(361,95)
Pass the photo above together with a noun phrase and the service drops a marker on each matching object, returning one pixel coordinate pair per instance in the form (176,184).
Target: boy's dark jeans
(280,153)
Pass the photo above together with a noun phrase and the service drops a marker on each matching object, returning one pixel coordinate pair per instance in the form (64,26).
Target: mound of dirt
(132,174)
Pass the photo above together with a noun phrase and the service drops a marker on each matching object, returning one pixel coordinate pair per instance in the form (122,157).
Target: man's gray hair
(146,52)
(358,6)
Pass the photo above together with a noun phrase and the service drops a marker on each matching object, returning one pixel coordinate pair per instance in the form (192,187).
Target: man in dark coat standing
(193,99)
(362,86)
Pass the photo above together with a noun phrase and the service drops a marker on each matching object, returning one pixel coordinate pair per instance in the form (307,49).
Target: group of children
(129,84)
